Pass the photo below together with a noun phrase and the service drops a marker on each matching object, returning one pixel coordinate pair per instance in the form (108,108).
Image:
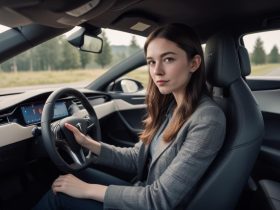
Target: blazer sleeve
(124,159)
(203,140)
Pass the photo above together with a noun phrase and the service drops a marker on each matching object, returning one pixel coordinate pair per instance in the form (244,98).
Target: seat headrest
(244,61)
(221,60)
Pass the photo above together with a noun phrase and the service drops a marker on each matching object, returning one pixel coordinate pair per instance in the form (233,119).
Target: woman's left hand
(72,186)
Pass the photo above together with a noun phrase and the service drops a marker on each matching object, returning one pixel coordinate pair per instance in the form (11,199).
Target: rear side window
(264,51)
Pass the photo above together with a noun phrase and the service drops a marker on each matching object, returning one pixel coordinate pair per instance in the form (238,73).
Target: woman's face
(169,67)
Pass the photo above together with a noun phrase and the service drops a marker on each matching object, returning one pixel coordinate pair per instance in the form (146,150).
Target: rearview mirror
(86,41)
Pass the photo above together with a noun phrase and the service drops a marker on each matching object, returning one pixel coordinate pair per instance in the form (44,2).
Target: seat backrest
(221,186)
(244,60)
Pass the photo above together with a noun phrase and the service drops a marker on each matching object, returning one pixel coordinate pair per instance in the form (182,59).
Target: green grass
(262,70)
(17,79)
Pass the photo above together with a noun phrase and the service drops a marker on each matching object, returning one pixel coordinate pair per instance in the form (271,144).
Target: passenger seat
(268,193)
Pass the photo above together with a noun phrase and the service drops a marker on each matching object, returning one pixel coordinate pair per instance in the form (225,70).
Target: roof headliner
(206,17)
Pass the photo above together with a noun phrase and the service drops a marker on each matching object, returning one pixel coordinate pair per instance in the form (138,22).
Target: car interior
(246,172)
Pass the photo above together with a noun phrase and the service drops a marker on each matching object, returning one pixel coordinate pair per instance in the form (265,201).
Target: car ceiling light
(140,26)
(83,9)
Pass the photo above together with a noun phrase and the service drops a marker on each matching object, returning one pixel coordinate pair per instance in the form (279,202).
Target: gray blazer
(176,168)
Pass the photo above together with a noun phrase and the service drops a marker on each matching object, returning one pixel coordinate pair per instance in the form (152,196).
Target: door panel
(267,95)
(122,128)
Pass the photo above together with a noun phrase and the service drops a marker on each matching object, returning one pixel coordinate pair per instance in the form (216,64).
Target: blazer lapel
(164,146)
(161,148)
(143,161)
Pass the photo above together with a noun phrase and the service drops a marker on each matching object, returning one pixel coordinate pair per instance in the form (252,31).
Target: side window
(140,74)
(264,51)
(135,81)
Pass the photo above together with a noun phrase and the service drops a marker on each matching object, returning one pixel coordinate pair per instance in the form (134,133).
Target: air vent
(94,100)
(3,120)
(77,101)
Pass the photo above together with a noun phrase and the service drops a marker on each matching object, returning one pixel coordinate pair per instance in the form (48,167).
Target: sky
(117,37)
(121,38)
(269,39)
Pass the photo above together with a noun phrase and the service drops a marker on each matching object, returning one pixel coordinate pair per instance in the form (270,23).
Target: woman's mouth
(162,82)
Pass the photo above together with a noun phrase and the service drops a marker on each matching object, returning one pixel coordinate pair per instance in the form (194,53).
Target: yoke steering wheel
(59,142)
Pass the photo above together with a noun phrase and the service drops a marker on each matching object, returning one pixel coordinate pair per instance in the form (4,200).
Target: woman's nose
(158,70)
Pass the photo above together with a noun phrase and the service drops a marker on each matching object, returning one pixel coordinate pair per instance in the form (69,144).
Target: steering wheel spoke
(90,125)
(77,157)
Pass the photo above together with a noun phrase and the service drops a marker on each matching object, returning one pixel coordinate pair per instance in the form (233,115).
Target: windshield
(56,63)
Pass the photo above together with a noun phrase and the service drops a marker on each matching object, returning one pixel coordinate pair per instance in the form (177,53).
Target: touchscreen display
(32,113)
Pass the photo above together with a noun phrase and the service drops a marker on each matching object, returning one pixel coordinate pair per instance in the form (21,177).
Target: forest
(58,54)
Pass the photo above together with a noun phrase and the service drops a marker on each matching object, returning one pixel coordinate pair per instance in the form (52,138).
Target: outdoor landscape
(57,62)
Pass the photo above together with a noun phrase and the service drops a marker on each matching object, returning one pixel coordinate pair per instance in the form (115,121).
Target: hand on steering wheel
(79,136)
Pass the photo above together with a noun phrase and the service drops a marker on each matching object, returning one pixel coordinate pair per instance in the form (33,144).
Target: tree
(133,47)
(24,61)
(14,66)
(105,57)
(273,56)
(119,56)
(7,66)
(258,56)
(70,57)
(84,58)
(47,55)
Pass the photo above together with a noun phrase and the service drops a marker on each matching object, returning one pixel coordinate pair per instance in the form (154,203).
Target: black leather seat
(244,60)
(269,191)
(269,195)
(221,186)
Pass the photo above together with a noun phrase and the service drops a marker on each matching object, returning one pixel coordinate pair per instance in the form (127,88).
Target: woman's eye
(150,63)
(168,60)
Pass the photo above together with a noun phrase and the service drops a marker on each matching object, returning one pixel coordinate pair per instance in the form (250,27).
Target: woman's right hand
(79,136)
(83,140)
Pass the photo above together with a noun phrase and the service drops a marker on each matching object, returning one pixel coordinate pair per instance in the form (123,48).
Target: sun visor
(11,18)
(135,24)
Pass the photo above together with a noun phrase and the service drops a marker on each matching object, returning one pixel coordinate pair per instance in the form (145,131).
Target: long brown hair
(157,104)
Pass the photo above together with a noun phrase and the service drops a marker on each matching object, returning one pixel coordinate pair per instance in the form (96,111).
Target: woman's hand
(77,188)
(84,140)
(79,136)
(72,186)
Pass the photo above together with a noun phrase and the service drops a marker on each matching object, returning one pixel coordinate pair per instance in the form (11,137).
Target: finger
(60,180)
(71,128)
(55,185)
(57,189)
(64,178)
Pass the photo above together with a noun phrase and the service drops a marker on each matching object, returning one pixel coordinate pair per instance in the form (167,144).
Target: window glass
(140,74)
(56,62)
(264,51)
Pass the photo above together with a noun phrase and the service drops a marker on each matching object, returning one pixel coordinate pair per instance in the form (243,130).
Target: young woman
(183,132)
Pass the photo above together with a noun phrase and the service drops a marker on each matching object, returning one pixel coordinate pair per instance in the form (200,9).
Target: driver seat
(223,182)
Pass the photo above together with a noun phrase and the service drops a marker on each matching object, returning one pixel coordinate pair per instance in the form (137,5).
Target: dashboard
(20,114)
(27,110)
(20,117)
